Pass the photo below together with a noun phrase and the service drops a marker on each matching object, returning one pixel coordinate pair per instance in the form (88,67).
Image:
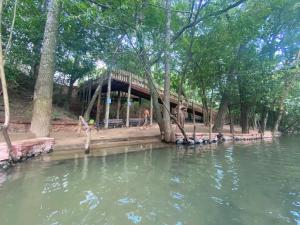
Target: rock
(4,164)
(191,142)
(180,141)
(198,141)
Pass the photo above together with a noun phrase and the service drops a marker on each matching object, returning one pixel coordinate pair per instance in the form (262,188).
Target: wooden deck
(139,88)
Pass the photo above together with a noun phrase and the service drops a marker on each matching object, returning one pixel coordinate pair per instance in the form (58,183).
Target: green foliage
(247,52)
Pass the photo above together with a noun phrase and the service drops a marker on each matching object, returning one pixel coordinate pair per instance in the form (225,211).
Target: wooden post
(118,105)
(210,117)
(98,109)
(128,101)
(194,122)
(108,101)
(88,133)
(151,110)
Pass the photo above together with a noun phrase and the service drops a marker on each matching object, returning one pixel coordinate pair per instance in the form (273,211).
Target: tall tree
(166,115)
(42,108)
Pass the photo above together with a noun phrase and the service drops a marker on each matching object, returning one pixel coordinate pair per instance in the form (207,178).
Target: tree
(42,108)
(4,127)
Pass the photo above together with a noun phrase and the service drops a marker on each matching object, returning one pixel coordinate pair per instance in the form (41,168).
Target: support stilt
(98,109)
(108,101)
(151,110)
(128,101)
(118,105)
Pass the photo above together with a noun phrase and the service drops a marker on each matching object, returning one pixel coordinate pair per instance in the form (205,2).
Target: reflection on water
(257,184)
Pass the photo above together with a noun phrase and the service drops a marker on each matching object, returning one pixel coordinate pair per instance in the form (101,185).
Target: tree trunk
(254,125)
(278,119)
(156,105)
(35,70)
(92,102)
(221,116)
(264,120)
(231,118)
(245,117)
(4,127)
(244,106)
(205,111)
(204,104)
(69,95)
(42,102)
(166,117)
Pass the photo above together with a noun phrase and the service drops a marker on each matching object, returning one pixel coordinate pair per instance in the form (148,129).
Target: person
(146,116)
(181,109)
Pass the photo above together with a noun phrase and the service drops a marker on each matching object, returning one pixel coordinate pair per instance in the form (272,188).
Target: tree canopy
(241,54)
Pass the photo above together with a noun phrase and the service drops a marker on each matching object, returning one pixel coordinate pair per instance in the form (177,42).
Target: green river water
(248,184)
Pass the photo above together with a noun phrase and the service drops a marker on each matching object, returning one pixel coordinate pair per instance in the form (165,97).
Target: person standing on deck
(181,109)
(146,116)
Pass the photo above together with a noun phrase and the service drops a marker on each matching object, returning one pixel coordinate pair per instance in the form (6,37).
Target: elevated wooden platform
(139,88)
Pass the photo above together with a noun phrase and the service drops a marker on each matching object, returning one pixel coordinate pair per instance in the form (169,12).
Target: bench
(114,123)
(136,121)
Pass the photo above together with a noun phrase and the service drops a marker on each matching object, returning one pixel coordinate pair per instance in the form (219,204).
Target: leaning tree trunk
(42,102)
(221,115)
(4,127)
(166,117)
(93,100)
(156,105)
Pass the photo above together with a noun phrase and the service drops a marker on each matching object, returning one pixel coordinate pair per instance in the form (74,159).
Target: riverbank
(68,140)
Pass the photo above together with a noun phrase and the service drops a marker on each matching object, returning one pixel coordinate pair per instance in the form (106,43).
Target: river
(257,183)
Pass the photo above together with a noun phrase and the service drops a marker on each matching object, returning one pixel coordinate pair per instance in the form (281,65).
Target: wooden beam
(98,109)
(108,101)
(151,110)
(194,122)
(128,101)
(118,105)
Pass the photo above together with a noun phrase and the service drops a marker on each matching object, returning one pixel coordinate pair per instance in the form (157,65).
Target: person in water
(146,116)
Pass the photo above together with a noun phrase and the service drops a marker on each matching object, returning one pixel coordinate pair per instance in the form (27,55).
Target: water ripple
(134,218)
(90,199)
(176,195)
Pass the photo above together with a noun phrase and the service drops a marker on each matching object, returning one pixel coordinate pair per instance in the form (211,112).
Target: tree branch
(8,45)
(194,23)
(102,6)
